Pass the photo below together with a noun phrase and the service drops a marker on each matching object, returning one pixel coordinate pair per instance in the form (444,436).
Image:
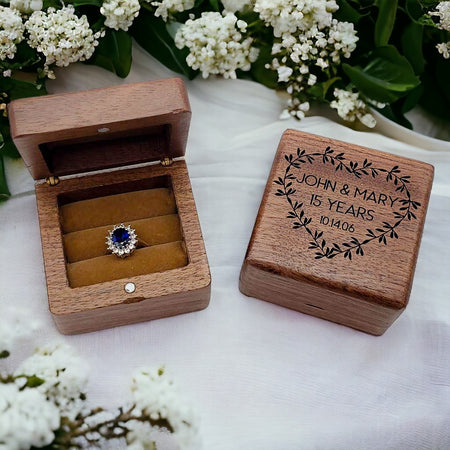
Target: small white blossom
(155,393)
(350,107)
(236,5)
(11,32)
(64,375)
(216,44)
(26,6)
(61,36)
(120,14)
(27,418)
(284,73)
(290,16)
(165,8)
(444,49)
(443,12)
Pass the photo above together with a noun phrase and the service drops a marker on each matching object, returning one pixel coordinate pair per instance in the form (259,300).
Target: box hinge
(166,161)
(52,180)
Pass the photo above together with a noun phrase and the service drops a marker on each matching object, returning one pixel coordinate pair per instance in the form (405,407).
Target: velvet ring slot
(151,212)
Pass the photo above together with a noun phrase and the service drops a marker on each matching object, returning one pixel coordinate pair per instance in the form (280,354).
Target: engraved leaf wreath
(338,160)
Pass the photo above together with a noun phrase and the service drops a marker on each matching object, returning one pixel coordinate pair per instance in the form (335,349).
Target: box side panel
(316,301)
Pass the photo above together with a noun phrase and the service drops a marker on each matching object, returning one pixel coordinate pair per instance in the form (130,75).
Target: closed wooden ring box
(338,232)
(63,137)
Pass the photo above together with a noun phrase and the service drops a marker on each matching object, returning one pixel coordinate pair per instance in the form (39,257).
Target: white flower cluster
(61,36)
(26,6)
(350,107)
(290,16)
(443,12)
(236,5)
(27,418)
(444,49)
(165,8)
(216,44)
(64,375)
(155,393)
(120,14)
(309,42)
(11,32)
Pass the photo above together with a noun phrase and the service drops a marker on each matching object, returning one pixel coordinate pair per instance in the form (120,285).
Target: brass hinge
(166,161)
(52,180)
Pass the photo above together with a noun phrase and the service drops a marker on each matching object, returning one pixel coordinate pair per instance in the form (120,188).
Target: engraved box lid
(338,231)
(97,129)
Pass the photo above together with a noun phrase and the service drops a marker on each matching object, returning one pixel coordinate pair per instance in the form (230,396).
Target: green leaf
(346,12)
(21,89)
(4,354)
(414,9)
(33,381)
(258,71)
(7,147)
(51,4)
(76,3)
(412,99)
(113,53)
(4,191)
(443,76)
(214,5)
(387,77)
(412,42)
(434,98)
(387,11)
(150,33)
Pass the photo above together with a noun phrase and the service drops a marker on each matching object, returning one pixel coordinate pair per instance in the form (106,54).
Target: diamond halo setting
(121,240)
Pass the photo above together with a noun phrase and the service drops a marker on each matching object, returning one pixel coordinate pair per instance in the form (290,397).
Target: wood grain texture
(312,249)
(55,133)
(104,305)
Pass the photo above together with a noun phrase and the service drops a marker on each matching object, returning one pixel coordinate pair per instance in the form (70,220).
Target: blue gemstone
(120,236)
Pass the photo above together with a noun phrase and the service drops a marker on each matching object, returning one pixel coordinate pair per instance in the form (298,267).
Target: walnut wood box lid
(72,133)
(338,231)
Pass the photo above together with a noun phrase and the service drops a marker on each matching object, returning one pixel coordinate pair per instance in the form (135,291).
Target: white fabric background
(261,377)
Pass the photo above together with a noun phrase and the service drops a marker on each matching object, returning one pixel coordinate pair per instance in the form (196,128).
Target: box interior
(148,206)
(106,149)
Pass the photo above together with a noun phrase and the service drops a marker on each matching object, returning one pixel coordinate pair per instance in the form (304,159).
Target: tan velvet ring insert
(87,244)
(114,209)
(151,212)
(143,261)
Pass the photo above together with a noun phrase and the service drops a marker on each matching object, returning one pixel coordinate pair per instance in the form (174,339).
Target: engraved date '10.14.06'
(402,206)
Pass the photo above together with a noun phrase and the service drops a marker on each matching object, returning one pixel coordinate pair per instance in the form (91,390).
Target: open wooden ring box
(338,232)
(63,137)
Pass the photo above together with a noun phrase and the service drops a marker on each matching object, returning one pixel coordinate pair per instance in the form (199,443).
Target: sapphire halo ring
(121,240)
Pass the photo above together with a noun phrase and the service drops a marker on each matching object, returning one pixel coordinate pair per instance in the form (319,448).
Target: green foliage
(4,354)
(151,33)
(114,53)
(259,72)
(386,77)
(4,191)
(385,21)
(15,89)
(33,381)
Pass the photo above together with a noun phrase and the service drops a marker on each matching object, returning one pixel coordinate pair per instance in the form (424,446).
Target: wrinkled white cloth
(262,377)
